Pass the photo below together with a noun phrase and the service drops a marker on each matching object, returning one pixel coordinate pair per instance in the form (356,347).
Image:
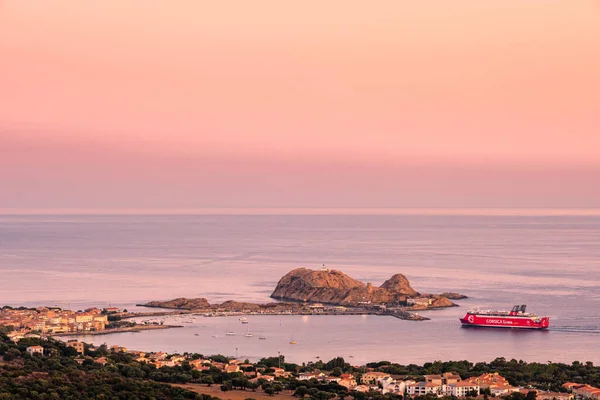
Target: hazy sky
(152,104)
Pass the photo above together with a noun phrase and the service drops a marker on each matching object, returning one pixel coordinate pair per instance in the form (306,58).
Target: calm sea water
(550,263)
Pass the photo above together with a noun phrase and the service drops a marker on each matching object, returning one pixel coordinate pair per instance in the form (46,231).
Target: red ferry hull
(489,321)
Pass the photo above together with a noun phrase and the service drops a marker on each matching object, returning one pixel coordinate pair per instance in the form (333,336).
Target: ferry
(517,318)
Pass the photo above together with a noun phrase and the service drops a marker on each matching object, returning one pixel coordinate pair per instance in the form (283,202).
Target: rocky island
(329,286)
(202,305)
(303,291)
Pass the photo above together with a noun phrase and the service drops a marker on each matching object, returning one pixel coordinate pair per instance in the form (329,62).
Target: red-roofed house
(554,396)
(498,390)
(571,385)
(374,377)
(232,368)
(586,392)
(348,381)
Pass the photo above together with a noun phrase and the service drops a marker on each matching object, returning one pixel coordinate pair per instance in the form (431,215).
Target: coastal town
(53,320)
(45,322)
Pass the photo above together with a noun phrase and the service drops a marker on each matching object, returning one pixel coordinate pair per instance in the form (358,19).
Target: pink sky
(153,104)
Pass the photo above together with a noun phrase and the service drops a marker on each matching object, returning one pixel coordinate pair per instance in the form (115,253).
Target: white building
(391,385)
(423,388)
(462,388)
(311,375)
(35,350)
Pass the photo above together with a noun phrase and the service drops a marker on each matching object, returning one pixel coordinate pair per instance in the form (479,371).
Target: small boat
(244,320)
(229,333)
(292,341)
(196,334)
(214,336)
(262,338)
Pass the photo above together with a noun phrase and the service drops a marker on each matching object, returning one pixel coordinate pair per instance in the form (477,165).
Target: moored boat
(517,318)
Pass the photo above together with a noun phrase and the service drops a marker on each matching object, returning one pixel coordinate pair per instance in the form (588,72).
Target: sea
(549,261)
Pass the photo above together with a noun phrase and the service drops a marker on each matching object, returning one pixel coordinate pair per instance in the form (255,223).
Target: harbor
(190,316)
(358,338)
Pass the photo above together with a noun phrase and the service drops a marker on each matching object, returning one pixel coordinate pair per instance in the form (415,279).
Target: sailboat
(229,333)
(292,341)
(248,334)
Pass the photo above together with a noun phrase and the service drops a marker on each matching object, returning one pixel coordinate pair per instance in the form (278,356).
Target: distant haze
(151,104)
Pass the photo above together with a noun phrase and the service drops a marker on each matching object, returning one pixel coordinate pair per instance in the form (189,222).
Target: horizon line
(491,211)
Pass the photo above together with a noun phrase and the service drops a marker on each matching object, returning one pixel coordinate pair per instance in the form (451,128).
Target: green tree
(269,390)
(301,391)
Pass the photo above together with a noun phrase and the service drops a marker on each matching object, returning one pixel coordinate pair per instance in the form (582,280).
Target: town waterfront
(548,262)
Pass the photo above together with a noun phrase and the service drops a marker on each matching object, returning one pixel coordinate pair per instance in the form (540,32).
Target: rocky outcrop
(399,284)
(454,296)
(432,301)
(231,305)
(441,301)
(180,303)
(335,287)
(201,304)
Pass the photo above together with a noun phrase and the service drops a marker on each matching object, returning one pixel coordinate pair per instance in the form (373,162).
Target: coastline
(404,313)
(325,291)
(137,328)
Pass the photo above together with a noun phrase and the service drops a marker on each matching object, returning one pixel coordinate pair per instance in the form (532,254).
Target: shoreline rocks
(201,304)
(454,296)
(180,303)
